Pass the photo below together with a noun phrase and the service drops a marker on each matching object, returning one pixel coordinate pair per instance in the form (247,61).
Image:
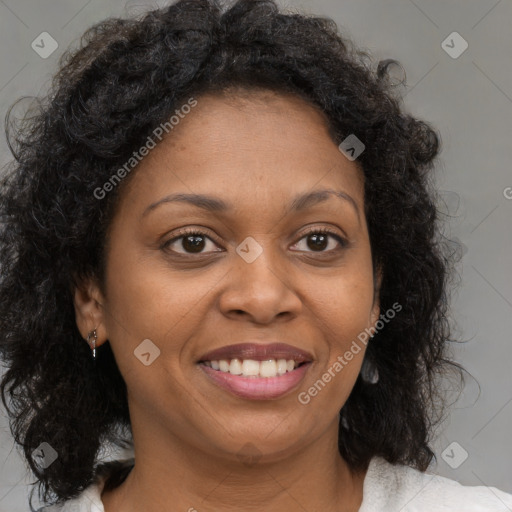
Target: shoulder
(389,487)
(89,499)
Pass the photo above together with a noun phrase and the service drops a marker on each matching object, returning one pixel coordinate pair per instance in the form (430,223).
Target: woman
(230,210)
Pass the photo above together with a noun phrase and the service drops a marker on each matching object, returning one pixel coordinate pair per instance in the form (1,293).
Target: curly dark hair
(127,77)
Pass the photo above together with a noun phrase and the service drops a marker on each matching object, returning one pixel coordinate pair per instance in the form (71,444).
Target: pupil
(319,241)
(196,243)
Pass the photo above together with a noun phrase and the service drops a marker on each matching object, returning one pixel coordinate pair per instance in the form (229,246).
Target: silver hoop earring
(94,337)
(369,372)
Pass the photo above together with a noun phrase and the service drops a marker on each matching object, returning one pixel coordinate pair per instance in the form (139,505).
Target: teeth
(268,368)
(252,368)
(249,367)
(282,366)
(235,367)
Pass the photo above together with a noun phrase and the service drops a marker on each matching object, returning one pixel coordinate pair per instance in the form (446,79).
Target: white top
(387,488)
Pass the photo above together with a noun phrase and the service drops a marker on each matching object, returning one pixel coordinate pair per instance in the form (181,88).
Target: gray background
(468,99)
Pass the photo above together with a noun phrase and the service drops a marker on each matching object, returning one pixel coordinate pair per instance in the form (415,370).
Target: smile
(253,368)
(256,380)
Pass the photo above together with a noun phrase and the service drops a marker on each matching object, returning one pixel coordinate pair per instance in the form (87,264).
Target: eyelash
(197,232)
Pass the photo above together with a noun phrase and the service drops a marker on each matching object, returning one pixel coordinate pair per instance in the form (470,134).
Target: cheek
(146,300)
(343,304)
(342,307)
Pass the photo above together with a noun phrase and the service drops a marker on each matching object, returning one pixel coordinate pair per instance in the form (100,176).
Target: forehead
(251,117)
(252,146)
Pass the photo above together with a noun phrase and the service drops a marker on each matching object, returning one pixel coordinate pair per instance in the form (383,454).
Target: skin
(257,152)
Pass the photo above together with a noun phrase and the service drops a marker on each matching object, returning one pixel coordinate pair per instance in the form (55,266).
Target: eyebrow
(213,204)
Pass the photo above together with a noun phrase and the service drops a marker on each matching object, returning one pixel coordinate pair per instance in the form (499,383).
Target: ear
(375,312)
(89,312)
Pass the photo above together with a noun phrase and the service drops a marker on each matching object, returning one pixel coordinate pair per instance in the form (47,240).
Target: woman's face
(253,275)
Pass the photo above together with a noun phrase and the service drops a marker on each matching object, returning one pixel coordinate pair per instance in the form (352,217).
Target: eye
(193,241)
(317,239)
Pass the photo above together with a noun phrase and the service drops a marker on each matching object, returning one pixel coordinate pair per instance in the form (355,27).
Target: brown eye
(191,242)
(318,240)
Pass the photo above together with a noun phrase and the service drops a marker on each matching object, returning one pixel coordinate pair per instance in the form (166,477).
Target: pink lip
(257,388)
(258,352)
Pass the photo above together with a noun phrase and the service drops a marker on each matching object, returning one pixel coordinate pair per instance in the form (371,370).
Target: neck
(177,474)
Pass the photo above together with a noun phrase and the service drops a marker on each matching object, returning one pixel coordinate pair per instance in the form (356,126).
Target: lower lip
(257,388)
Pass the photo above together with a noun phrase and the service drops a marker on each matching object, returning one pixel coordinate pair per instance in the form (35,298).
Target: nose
(260,291)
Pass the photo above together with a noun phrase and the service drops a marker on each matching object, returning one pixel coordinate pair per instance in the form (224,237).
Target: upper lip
(258,352)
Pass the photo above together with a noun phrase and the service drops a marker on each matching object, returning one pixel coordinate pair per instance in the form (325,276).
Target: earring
(369,372)
(93,335)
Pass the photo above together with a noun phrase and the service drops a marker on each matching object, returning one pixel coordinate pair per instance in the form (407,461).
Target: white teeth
(253,368)
(268,368)
(250,367)
(235,367)
(281,366)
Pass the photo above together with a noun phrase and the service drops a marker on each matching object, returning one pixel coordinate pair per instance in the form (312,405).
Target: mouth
(257,372)
(251,368)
